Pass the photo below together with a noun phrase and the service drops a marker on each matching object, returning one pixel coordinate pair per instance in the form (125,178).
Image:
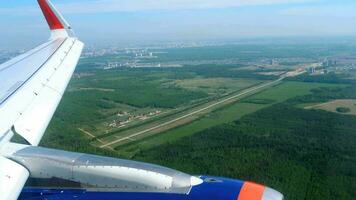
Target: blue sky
(135,21)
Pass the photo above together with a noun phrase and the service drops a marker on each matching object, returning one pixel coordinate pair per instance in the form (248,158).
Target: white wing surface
(31,87)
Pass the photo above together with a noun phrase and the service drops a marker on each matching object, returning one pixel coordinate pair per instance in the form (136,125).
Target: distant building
(329,63)
(273,62)
(311,70)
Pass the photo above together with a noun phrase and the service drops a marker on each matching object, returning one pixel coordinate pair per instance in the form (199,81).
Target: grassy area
(139,89)
(213,119)
(215,85)
(93,102)
(235,87)
(229,113)
(178,118)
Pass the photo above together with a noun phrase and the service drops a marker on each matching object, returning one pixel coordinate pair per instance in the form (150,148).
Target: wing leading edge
(31,89)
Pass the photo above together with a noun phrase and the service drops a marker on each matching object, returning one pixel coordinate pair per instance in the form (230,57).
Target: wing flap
(15,91)
(48,97)
(37,97)
(13,176)
(15,73)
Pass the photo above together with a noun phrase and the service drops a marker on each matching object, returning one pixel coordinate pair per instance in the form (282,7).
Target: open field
(110,104)
(332,106)
(190,114)
(215,85)
(181,118)
(225,114)
(169,114)
(117,99)
(160,125)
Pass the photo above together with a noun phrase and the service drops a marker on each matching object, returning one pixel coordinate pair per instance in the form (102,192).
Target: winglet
(56,22)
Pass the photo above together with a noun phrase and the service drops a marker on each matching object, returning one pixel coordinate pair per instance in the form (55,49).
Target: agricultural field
(343,106)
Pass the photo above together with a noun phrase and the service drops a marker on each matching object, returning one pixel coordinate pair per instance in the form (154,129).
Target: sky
(140,21)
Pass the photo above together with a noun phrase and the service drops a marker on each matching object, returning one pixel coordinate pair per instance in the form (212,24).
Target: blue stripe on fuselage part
(213,189)
(217,188)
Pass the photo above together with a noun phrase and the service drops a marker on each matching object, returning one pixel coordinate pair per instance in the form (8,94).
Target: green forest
(305,154)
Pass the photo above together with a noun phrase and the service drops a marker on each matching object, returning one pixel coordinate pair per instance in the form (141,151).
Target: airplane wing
(31,87)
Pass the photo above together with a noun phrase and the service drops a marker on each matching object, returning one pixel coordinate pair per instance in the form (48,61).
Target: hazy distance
(139,21)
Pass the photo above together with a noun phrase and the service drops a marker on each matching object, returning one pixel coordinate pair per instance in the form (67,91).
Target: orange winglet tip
(251,191)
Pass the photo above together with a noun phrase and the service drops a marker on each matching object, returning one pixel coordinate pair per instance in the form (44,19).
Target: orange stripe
(251,191)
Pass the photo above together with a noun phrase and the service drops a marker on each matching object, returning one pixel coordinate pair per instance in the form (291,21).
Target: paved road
(90,135)
(193,113)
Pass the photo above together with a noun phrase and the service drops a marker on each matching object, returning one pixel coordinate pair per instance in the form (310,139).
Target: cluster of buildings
(128,117)
(338,65)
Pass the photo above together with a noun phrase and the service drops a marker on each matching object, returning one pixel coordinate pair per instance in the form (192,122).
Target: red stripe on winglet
(52,20)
